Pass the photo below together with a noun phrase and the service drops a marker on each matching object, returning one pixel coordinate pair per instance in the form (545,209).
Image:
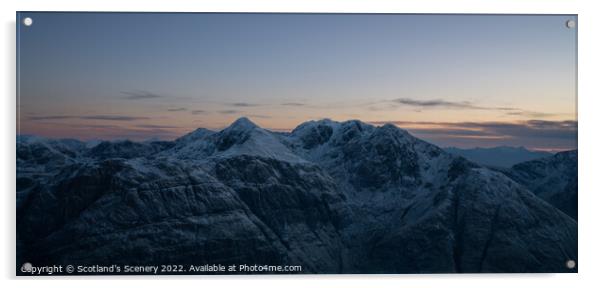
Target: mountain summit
(333,197)
(242,123)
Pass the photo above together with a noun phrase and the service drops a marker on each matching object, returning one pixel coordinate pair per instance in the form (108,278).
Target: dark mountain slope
(553,178)
(333,197)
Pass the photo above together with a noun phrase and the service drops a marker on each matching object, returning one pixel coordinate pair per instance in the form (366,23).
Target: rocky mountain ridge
(334,197)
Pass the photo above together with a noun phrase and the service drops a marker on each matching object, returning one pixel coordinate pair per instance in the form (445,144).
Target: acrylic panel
(283,143)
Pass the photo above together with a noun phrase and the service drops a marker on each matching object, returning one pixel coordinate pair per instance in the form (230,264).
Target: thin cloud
(297,104)
(434,103)
(113,117)
(197,112)
(176,109)
(51,117)
(152,126)
(243,104)
(95,131)
(530,114)
(229,111)
(437,103)
(444,104)
(79,125)
(545,124)
(140,94)
(88,117)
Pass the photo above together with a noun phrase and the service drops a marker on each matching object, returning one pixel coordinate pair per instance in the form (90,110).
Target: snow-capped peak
(241,124)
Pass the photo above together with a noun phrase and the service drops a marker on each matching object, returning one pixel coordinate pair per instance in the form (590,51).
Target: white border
(589,139)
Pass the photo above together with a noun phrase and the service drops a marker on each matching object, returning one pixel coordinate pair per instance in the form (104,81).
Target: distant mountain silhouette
(502,156)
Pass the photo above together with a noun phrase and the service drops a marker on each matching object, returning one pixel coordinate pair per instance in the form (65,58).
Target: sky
(453,80)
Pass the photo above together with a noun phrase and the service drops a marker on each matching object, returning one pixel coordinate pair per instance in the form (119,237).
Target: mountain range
(333,197)
(501,156)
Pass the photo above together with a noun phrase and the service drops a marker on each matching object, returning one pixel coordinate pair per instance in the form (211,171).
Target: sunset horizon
(419,131)
(446,79)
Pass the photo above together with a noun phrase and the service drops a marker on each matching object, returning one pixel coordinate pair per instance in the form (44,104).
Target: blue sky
(455,80)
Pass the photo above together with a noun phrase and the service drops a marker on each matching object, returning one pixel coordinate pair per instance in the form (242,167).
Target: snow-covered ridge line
(335,197)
